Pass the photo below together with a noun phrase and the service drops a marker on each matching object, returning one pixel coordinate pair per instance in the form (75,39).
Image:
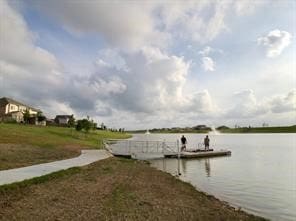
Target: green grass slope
(53,136)
(24,145)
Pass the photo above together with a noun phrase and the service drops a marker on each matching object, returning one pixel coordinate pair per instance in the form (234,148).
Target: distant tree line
(87,124)
(194,129)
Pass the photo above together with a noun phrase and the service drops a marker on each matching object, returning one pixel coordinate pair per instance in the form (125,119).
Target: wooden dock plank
(200,154)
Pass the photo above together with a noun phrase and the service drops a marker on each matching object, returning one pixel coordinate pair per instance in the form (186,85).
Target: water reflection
(164,165)
(259,176)
(184,168)
(203,164)
(207,167)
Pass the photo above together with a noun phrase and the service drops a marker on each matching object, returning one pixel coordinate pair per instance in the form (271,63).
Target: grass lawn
(111,189)
(23,145)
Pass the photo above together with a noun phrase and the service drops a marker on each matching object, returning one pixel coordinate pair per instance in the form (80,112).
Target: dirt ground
(20,155)
(114,189)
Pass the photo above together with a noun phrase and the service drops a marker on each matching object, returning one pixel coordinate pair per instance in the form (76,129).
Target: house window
(11,107)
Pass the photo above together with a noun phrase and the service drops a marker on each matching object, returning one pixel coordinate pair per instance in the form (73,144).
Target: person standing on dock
(207,143)
(183,142)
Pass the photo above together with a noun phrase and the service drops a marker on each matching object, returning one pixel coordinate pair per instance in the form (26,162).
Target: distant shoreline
(288,129)
(224,130)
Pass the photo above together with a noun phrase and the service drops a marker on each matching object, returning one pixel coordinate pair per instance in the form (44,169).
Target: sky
(152,64)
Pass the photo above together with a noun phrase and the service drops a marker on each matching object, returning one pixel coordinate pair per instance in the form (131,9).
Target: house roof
(63,116)
(6,100)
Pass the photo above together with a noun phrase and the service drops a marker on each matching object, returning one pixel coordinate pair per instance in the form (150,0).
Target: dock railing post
(129,146)
(178,147)
(142,144)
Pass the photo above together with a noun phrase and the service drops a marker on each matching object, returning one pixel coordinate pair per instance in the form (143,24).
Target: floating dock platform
(157,149)
(199,154)
(184,155)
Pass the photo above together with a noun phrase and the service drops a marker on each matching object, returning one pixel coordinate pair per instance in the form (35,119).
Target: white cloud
(245,105)
(14,32)
(111,57)
(122,23)
(154,84)
(284,103)
(34,75)
(143,80)
(206,51)
(53,107)
(209,50)
(25,68)
(201,102)
(208,64)
(153,23)
(186,21)
(153,80)
(136,80)
(275,42)
(244,7)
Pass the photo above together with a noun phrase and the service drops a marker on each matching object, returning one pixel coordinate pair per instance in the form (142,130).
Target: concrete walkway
(20,174)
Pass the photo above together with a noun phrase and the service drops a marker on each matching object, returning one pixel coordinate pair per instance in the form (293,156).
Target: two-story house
(14,110)
(62,119)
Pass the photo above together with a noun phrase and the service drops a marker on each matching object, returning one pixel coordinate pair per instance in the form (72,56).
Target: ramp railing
(140,147)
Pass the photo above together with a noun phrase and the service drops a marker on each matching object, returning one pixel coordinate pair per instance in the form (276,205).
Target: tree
(83,124)
(86,125)
(40,116)
(26,116)
(71,121)
(103,126)
(79,126)
(265,124)
(95,125)
(223,127)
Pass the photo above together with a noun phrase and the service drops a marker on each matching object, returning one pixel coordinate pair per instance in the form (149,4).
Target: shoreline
(223,130)
(211,196)
(111,189)
(217,132)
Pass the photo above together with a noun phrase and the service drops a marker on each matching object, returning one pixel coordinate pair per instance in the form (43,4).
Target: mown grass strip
(51,136)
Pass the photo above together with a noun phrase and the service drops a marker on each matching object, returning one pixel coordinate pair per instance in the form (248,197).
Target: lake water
(259,176)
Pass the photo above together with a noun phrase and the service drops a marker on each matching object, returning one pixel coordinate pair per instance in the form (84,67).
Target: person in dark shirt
(207,143)
(183,143)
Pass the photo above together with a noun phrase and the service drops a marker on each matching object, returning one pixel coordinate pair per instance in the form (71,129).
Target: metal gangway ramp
(140,149)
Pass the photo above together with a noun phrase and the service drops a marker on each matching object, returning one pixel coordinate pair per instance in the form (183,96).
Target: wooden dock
(214,153)
(156,149)
(201,154)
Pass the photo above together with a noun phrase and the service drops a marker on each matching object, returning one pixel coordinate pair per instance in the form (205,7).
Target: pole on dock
(129,147)
(178,146)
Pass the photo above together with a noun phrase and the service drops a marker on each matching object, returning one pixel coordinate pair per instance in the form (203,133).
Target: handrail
(169,148)
(136,146)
